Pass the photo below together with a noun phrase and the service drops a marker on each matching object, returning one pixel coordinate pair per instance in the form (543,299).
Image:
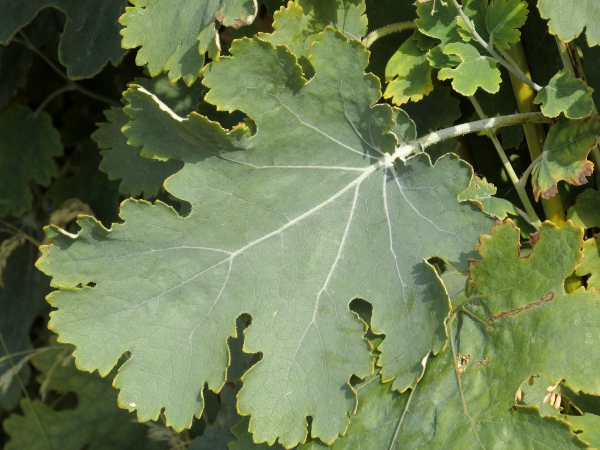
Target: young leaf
(569,18)
(287,225)
(91,36)
(567,95)
(409,72)
(503,20)
(475,71)
(25,136)
(564,158)
(507,331)
(96,421)
(481,193)
(299,24)
(175,35)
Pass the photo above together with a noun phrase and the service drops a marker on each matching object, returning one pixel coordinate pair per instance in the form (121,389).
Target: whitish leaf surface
(90,38)
(568,18)
(506,332)
(567,95)
(475,71)
(95,423)
(173,36)
(565,155)
(299,24)
(24,137)
(409,74)
(288,225)
(21,300)
(503,20)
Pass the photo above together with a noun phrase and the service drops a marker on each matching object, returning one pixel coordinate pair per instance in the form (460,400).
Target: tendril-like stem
(388,29)
(520,188)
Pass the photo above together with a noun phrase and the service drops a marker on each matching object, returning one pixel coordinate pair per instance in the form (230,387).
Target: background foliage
(257,226)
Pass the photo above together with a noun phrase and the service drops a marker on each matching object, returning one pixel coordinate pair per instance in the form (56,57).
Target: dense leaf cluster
(303,224)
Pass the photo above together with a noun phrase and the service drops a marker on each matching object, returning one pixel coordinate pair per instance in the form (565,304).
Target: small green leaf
(567,95)
(503,20)
(481,193)
(569,18)
(174,35)
(438,59)
(475,71)
(410,73)
(405,129)
(298,24)
(90,38)
(564,158)
(585,212)
(25,136)
(440,24)
(95,423)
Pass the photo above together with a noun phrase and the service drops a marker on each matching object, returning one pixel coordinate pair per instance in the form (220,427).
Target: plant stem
(434,137)
(27,43)
(512,68)
(573,64)
(56,93)
(25,393)
(388,29)
(534,133)
(520,188)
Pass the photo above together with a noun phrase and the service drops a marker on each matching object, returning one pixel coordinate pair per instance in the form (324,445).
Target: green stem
(388,29)
(535,221)
(27,43)
(56,93)
(512,68)
(434,137)
(534,133)
(25,393)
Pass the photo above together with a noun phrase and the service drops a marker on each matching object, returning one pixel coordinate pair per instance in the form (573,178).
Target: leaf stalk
(388,29)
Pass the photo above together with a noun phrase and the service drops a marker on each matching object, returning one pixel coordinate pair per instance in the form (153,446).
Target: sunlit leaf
(288,224)
(564,158)
(568,18)
(475,71)
(567,95)
(503,20)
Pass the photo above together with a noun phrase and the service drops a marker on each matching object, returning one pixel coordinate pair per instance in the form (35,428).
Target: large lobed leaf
(288,225)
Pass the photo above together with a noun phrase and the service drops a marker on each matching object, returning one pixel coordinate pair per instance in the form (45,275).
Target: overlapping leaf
(24,136)
(567,95)
(564,158)
(91,36)
(95,422)
(288,225)
(585,213)
(503,20)
(515,303)
(300,22)
(475,71)
(174,35)
(568,18)
(481,193)
(409,74)
(22,299)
